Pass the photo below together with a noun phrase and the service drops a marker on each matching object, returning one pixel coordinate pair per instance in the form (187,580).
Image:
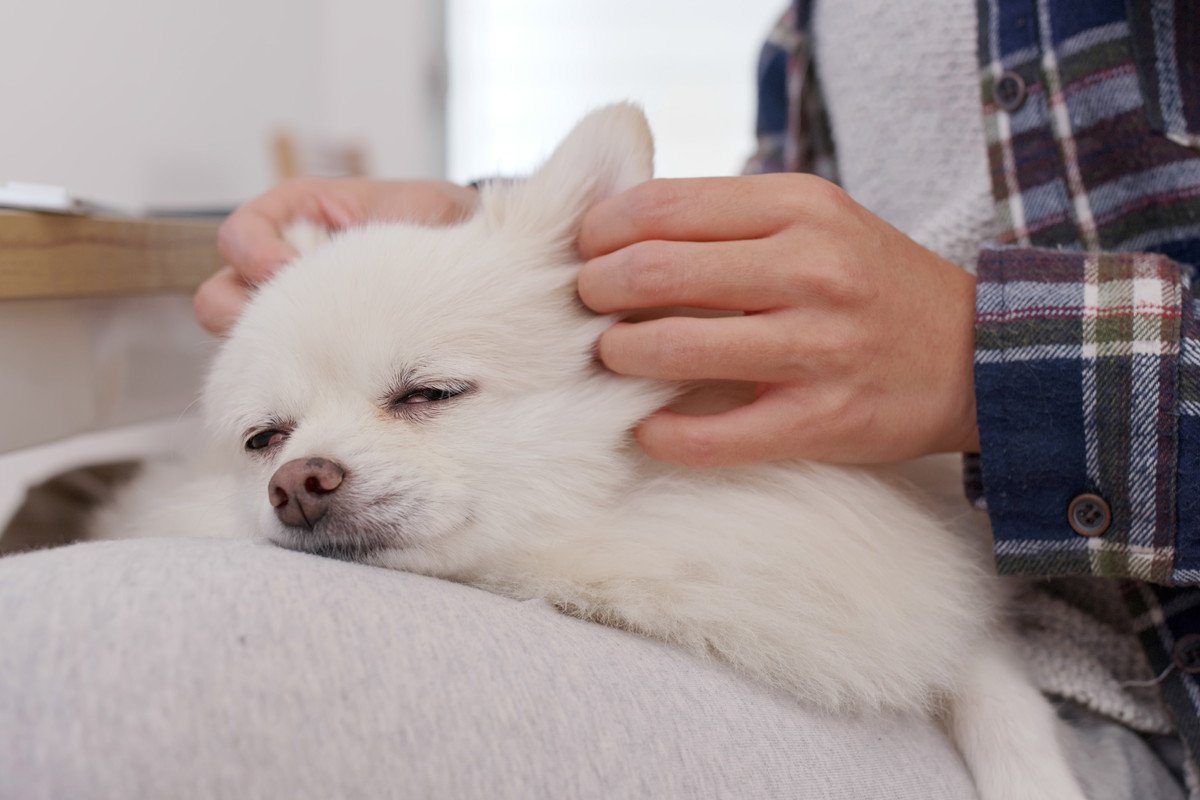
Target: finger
(421,202)
(689,210)
(219,301)
(753,348)
(761,431)
(740,276)
(251,241)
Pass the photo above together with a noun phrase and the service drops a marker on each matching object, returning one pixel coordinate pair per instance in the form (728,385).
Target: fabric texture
(194,669)
(1166,38)
(1077,642)
(1086,360)
(202,669)
(1113,761)
(1075,163)
(903,107)
(792,125)
(1075,363)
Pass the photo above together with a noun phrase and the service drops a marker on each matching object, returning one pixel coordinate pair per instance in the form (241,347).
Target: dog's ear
(607,152)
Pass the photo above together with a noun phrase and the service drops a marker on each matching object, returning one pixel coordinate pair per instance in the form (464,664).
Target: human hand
(860,341)
(251,239)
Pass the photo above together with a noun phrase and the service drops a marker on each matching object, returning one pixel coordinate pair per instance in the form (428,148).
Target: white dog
(428,400)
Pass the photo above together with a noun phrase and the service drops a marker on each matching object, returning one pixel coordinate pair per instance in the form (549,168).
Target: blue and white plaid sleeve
(1087,373)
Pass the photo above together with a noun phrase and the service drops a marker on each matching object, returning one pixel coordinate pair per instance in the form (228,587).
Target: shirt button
(1010,91)
(1187,653)
(1089,515)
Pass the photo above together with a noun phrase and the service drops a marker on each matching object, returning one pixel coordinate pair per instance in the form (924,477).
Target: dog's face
(424,397)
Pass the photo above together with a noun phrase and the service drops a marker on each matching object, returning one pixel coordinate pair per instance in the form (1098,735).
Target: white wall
(383,72)
(522,71)
(172,102)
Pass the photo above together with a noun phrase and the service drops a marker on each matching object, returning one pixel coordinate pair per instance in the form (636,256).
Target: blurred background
(190,108)
(165,104)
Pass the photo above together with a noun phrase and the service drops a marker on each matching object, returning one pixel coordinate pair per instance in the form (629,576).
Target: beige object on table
(298,158)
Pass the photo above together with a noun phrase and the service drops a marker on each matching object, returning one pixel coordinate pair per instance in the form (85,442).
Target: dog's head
(424,396)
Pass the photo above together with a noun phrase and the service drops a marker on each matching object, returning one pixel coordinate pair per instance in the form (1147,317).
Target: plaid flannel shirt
(1087,361)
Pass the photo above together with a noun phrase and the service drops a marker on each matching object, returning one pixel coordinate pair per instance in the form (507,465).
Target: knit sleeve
(1087,375)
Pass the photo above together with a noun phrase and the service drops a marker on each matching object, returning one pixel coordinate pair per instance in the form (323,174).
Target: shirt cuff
(1077,361)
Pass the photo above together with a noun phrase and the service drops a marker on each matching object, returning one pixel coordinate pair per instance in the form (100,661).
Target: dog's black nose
(302,490)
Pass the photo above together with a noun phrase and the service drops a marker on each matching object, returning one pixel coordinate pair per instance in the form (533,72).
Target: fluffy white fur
(832,584)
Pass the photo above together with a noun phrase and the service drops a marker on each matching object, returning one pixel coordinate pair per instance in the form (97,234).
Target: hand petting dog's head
(422,396)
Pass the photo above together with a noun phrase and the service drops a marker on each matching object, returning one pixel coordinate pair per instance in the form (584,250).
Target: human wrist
(962,431)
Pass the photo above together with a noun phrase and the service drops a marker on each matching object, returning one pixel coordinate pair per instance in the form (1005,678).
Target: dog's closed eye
(427,395)
(408,400)
(267,438)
